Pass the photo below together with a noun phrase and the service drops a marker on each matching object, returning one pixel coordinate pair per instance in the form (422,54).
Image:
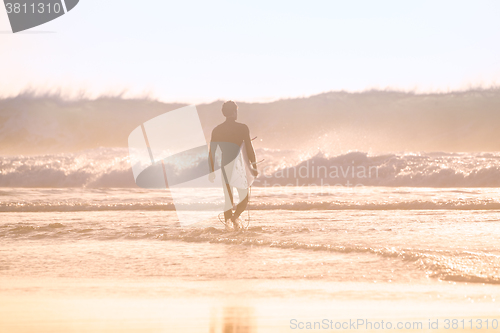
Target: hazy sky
(194,51)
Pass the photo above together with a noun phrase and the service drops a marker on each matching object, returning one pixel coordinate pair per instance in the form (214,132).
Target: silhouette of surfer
(230,137)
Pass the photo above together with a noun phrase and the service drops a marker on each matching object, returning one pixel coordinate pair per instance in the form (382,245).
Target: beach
(116,260)
(249,167)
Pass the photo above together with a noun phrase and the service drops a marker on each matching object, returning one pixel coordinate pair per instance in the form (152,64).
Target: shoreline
(106,305)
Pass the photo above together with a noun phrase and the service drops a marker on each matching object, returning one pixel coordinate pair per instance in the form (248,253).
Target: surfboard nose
(26,14)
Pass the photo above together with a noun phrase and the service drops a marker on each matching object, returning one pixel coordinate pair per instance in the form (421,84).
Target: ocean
(333,238)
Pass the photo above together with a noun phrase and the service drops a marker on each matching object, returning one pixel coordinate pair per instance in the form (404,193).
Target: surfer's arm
(250,150)
(212,148)
(211,155)
(211,158)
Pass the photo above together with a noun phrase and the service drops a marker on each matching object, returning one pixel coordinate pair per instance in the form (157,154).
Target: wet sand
(63,305)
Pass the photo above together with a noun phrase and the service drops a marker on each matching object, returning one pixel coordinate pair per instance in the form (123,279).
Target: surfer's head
(230,110)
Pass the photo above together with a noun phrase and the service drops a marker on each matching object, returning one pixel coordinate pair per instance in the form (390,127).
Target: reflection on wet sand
(233,320)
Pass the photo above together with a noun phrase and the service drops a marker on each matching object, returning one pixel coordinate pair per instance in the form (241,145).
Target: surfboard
(241,175)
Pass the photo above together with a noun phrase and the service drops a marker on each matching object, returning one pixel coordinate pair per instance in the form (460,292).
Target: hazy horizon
(125,94)
(197,52)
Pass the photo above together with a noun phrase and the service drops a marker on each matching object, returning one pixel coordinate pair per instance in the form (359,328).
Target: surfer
(229,137)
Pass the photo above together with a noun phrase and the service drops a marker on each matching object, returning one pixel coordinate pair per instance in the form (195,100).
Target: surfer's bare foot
(236,224)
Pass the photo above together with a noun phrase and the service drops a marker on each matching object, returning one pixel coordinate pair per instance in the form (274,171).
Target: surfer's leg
(228,205)
(228,196)
(242,193)
(228,215)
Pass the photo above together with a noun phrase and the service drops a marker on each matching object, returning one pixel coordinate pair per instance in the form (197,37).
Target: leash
(244,227)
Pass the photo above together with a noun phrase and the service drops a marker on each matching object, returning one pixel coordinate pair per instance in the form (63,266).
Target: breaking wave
(110,168)
(407,169)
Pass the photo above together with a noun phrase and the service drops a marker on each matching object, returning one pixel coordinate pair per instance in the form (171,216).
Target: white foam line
(64,6)
(483,254)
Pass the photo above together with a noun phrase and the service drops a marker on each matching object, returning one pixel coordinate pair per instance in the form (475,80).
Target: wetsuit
(229,136)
